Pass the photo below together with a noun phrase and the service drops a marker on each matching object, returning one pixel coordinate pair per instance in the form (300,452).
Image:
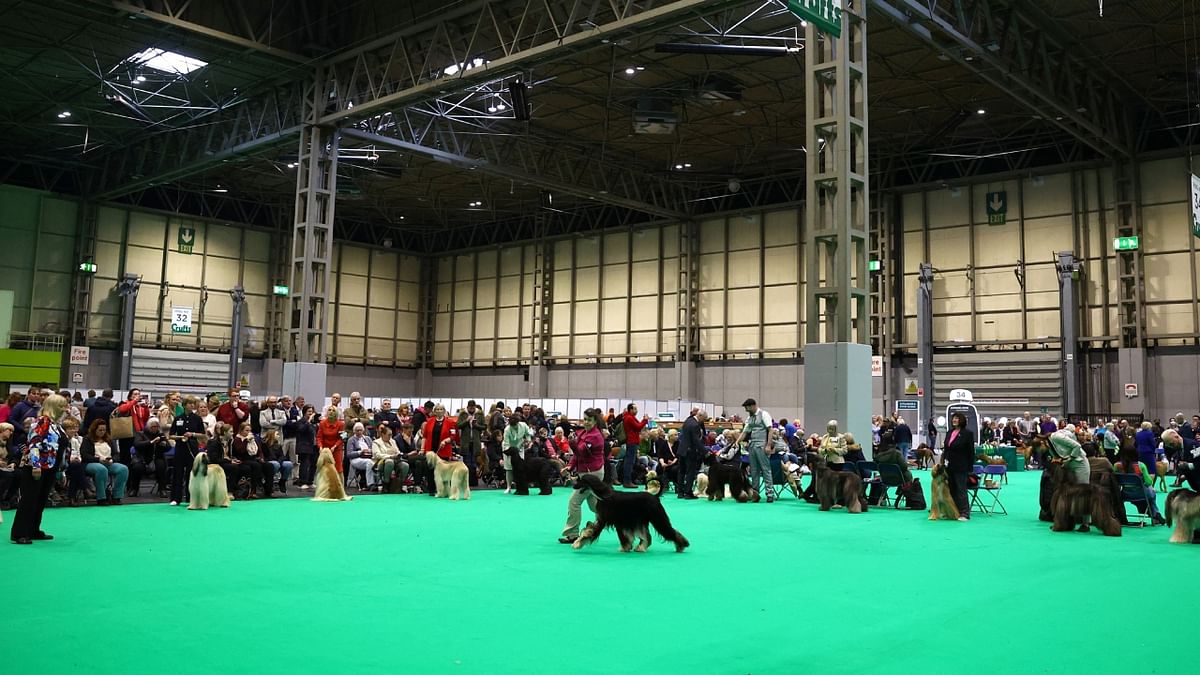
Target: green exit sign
(824,14)
(280,290)
(87,267)
(1125,243)
(874,265)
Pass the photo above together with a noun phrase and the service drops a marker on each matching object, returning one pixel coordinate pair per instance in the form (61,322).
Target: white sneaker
(962,519)
(174,503)
(507,491)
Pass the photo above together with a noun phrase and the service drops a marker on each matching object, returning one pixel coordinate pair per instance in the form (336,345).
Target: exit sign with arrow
(824,14)
(997,208)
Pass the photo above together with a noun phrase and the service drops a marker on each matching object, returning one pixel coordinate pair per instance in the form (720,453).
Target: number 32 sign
(181,320)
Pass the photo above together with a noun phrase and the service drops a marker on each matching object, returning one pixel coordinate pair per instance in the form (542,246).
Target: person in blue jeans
(902,437)
(633,436)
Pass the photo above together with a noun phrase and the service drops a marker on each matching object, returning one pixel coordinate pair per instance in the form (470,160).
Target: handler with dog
(758,424)
(587,459)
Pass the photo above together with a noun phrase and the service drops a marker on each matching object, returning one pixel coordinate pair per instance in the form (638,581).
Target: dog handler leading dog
(758,424)
(587,459)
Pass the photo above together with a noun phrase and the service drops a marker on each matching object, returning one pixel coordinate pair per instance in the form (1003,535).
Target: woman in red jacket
(136,408)
(329,435)
(440,434)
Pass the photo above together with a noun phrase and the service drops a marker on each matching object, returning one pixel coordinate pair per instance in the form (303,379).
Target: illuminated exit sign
(1125,243)
(825,14)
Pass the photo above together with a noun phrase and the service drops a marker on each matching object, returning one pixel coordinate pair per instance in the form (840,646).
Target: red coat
(449,430)
(633,428)
(227,413)
(139,413)
(329,435)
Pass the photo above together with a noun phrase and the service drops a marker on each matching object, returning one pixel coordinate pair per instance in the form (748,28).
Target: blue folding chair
(996,473)
(890,476)
(1133,491)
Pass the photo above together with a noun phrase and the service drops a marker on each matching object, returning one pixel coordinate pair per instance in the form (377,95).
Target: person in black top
(387,416)
(305,429)
(690,451)
(959,456)
(150,447)
(187,430)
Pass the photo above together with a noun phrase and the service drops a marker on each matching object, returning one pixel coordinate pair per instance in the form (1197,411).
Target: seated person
(854,451)
(96,454)
(247,457)
(1130,464)
(668,461)
(358,452)
(273,454)
(72,466)
(388,459)
(150,446)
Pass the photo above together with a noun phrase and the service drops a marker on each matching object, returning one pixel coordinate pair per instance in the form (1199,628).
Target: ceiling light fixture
(220,189)
(139,79)
(64,114)
(165,61)
(678,167)
(630,71)
(687,166)
(291,165)
(981,111)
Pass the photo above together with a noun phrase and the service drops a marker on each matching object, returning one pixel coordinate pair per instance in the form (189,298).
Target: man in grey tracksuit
(758,425)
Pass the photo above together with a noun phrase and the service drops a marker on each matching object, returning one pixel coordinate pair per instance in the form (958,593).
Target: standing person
(188,432)
(100,409)
(587,458)
(386,417)
(632,427)
(235,410)
(291,415)
(6,409)
(1065,446)
(1147,447)
(44,445)
(1025,427)
(356,412)
(23,410)
(471,427)
(517,437)
(931,432)
(690,451)
(306,445)
(438,435)
(421,414)
(329,435)
(134,407)
(271,417)
(755,431)
(902,437)
(959,456)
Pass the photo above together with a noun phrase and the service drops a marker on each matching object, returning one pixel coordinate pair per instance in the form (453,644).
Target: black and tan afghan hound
(732,474)
(631,514)
(536,470)
(1072,503)
(838,488)
(1184,506)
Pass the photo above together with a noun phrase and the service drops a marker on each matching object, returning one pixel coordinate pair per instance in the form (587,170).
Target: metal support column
(127,288)
(543,301)
(925,343)
(238,295)
(687,303)
(426,312)
(881,288)
(277,335)
(85,251)
(312,233)
(1068,307)
(1127,192)
(836,181)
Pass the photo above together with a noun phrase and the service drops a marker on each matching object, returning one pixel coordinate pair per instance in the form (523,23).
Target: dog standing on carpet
(1184,506)
(536,470)
(721,474)
(1071,503)
(452,479)
(1163,467)
(839,488)
(941,502)
(329,481)
(631,514)
(653,485)
(207,485)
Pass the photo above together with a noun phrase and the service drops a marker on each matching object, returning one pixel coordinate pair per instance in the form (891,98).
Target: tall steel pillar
(687,298)
(127,288)
(881,289)
(1068,307)
(312,248)
(238,295)
(837,355)
(1131,357)
(925,344)
(543,304)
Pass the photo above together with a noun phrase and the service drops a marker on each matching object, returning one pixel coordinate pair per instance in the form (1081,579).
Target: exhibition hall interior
(474,298)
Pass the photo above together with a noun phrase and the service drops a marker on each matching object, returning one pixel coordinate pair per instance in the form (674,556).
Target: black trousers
(34,492)
(957,482)
(468,454)
(689,468)
(181,471)
(236,472)
(136,471)
(160,473)
(308,468)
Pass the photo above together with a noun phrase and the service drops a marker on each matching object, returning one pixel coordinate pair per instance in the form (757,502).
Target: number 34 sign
(181,320)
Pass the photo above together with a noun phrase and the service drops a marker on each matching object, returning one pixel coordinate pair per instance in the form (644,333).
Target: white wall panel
(781,227)
(744,268)
(712,235)
(1165,181)
(782,265)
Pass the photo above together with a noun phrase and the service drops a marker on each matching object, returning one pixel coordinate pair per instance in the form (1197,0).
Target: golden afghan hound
(941,502)
(452,479)
(207,485)
(329,481)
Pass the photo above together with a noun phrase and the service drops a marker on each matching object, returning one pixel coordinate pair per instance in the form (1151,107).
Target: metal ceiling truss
(261,212)
(250,34)
(1016,48)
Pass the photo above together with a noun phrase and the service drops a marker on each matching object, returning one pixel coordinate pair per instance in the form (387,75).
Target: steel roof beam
(172,16)
(1013,49)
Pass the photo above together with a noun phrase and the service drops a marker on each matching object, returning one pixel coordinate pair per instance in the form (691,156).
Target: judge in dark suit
(959,456)
(690,450)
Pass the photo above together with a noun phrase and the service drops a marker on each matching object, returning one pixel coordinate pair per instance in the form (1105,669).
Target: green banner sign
(824,14)
(187,239)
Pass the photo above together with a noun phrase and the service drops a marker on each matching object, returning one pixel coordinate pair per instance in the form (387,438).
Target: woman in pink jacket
(588,458)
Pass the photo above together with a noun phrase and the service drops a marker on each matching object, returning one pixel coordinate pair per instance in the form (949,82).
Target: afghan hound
(631,514)
(207,486)
(839,488)
(721,474)
(452,479)
(702,483)
(536,470)
(653,485)
(1184,505)
(1071,502)
(329,481)
(941,502)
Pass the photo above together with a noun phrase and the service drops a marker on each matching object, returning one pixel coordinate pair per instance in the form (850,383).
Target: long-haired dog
(941,502)
(1183,506)
(1072,503)
(329,486)
(451,479)
(702,483)
(721,474)
(653,484)
(631,514)
(839,488)
(536,470)
(207,485)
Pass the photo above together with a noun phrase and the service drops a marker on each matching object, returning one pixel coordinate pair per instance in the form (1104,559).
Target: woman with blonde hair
(46,444)
(329,435)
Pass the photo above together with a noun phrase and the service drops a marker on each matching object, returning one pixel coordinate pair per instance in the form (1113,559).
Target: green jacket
(893,456)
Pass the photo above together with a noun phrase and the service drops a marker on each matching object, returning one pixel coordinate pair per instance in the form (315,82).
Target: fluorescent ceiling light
(165,61)
(453,68)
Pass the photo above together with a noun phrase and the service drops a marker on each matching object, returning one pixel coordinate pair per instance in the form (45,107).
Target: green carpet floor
(399,583)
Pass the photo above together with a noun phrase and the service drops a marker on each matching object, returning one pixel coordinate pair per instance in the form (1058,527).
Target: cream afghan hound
(207,485)
(329,481)
(451,478)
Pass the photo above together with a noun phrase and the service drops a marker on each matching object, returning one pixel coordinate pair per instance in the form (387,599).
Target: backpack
(914,496)
(618,430)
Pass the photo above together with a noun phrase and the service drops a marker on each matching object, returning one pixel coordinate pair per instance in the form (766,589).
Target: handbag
(120,426)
